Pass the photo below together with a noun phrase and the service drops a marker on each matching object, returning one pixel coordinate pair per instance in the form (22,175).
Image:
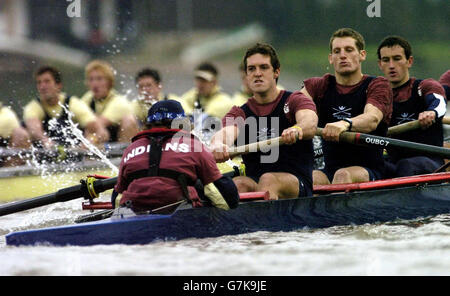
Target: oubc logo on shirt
(176,147)
(404,117)
(266,133)
(342,112)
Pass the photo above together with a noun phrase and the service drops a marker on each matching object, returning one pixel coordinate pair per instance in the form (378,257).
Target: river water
(420,247)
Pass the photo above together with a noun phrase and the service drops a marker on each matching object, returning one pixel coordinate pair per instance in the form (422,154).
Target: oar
(255,147)
(87,190)
(446,120)
(409,126)
(382,142)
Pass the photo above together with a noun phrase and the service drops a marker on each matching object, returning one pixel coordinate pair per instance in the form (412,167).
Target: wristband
(297,127)
(349,121)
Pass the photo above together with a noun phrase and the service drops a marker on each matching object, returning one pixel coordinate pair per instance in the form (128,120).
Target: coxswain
(164,163)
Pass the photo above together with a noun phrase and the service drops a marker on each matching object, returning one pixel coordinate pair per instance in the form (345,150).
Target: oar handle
(61,195)
(404,127)
(409,126)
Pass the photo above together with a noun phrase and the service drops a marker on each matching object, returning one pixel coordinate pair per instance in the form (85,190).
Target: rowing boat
(370,202)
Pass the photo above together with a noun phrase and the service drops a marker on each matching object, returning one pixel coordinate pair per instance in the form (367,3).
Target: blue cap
(166,109)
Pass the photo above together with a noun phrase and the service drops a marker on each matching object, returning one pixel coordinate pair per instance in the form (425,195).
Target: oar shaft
(382,142)
(23,205)
(61,195)
(254,147)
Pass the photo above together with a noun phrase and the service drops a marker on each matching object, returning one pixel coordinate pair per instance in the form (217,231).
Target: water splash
(73,128)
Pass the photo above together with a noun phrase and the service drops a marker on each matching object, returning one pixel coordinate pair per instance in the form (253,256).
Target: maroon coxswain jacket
(181,152)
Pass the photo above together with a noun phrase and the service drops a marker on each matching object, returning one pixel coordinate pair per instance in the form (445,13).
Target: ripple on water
(420,247)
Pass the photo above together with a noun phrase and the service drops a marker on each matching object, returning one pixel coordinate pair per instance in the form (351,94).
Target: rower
(12,135)
(349,101)
(444,80)
(285,171)
(113,110)
(48,116)
(150,88)
(414,99)
(207,94)
(163,163)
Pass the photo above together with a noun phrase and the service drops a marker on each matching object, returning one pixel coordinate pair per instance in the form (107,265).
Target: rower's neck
(349,80)
(400,83)
(53,101)
(268,96)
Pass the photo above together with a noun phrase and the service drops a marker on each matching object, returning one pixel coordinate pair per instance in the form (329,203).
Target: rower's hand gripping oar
(88,189)
(382,142)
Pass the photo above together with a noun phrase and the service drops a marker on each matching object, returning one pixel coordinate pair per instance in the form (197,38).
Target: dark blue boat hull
(282,215)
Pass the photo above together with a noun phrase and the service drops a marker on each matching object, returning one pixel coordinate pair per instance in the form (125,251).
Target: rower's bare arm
(364,123)
(36,131)
(307,120)
(96,132)
(368,121)
(305,125)
(105,122)
(222,140)
(304,128)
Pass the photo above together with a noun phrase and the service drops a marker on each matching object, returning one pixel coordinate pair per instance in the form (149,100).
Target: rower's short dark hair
(391,41)
(148,72)
(348,32)
(56,74)
(264,49)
